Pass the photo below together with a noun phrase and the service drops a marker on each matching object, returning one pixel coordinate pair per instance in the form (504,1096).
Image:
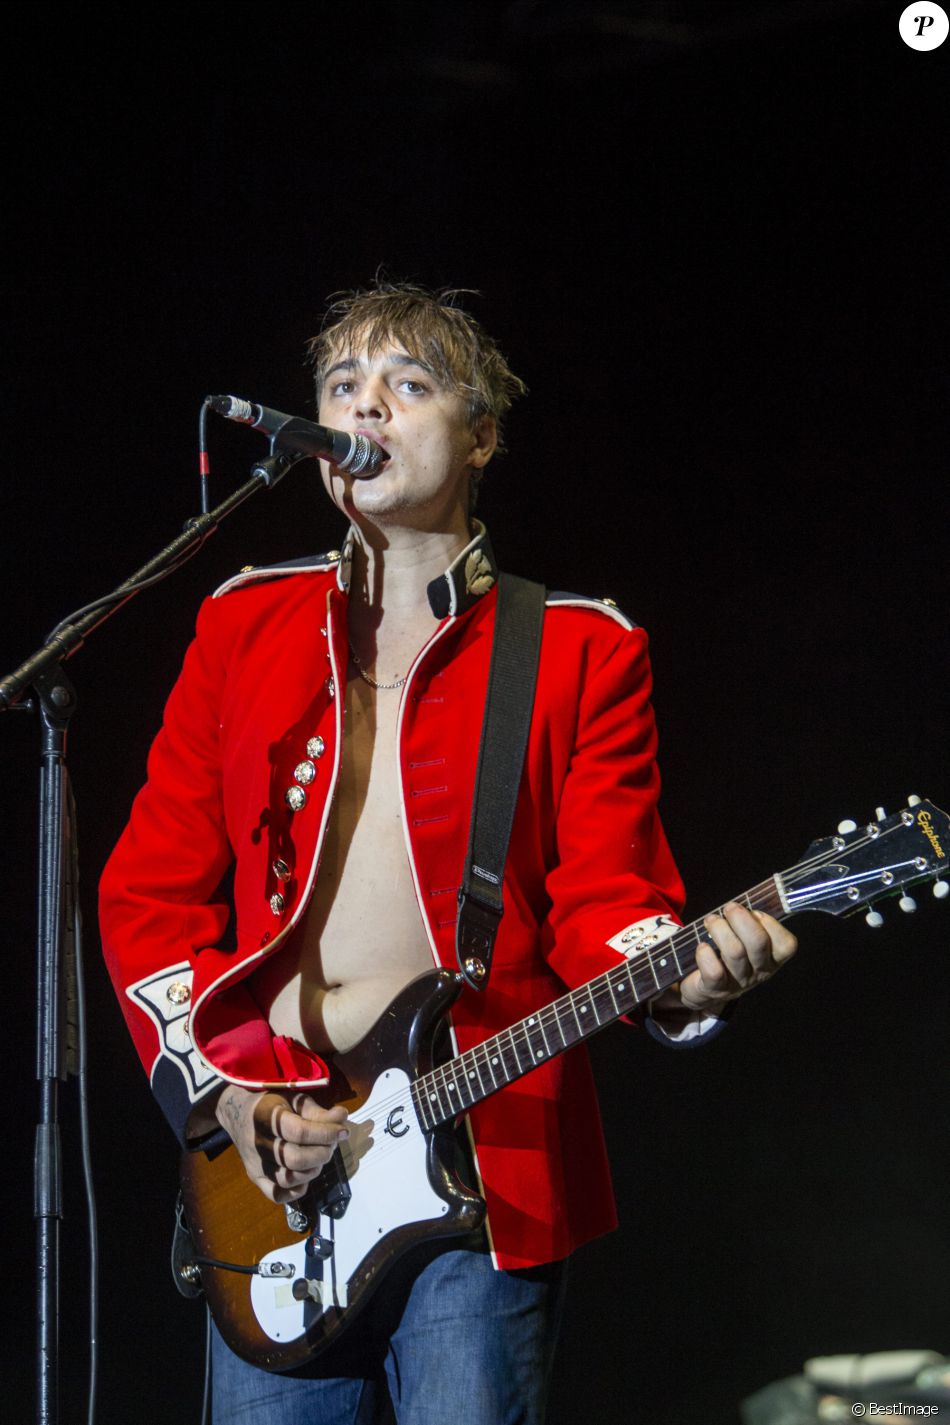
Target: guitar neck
(445,1092)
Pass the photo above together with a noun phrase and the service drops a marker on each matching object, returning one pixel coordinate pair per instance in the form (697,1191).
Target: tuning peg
(845,826)
(907,904)
(941,890)
(874,919)
(880,813)
(913,801)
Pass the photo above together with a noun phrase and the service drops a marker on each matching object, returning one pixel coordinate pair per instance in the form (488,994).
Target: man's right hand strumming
(284,1139)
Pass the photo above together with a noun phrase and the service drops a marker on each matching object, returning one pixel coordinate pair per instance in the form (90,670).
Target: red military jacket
(242,776)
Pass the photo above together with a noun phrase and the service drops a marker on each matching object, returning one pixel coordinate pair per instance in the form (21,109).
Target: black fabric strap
(512,677)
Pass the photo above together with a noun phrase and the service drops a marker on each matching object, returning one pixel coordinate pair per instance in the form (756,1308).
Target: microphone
(353,453)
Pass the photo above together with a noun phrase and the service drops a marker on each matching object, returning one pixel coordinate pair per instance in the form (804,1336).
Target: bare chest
(361,938)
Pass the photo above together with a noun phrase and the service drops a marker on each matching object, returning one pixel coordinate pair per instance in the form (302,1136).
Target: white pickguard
(385,1160)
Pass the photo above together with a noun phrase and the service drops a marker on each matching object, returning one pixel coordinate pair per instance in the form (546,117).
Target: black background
(712,237)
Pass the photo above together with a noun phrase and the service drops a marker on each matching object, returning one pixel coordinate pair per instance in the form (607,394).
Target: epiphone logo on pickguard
(394,1124)
(925,821)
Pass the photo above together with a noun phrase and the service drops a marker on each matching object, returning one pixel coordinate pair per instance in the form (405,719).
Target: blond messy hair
(433,328)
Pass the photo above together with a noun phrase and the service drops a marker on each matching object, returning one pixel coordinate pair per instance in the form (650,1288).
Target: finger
(715,980)
(292,1159)
(297,1158)
(742,942)
(292,1166)
(698,995)
(285,1178)
(312,1112)
(783,942)
(282,1195)
(727,949)
(322,1127)
(307,1107)
(312,1133)
(753,935)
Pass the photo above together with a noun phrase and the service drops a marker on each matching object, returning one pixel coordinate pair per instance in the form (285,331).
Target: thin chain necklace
(368,677)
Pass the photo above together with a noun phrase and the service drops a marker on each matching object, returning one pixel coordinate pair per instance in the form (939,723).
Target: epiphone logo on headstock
(925,822)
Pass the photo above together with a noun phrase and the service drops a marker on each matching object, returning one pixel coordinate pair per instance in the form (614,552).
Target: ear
(484,441)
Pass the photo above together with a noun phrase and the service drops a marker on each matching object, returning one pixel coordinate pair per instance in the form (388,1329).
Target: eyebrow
(402,358)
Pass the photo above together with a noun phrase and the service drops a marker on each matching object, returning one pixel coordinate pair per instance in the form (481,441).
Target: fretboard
(470,1077)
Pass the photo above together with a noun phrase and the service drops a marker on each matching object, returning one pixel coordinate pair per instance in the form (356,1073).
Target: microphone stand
(54,697)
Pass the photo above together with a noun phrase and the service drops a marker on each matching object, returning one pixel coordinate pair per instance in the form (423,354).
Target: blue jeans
(450,1337)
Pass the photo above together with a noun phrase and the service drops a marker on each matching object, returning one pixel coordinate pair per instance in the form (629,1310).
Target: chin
(377,502)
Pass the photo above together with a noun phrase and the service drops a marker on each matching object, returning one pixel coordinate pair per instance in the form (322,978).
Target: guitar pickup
(332,1189)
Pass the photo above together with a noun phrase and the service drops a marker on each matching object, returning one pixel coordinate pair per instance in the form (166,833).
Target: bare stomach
(362,937)
(326,1017)
(347,959)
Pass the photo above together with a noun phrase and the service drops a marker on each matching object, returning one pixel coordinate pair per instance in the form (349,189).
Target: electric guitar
(285,1282)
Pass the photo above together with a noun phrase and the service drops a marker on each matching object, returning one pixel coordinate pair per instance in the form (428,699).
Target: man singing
(321,745)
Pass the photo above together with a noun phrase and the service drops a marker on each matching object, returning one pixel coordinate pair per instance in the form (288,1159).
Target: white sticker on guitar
(643,934)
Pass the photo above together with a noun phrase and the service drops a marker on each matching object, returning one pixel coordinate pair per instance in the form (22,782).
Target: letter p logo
(924,25)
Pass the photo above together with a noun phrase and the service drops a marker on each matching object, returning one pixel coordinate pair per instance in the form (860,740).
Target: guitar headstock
(860,864)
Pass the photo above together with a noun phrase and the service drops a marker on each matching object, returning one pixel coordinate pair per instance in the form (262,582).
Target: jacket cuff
(177,1100)
(211,1144)
(689,1032)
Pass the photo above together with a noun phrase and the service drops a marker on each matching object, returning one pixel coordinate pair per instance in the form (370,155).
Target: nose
(371,402)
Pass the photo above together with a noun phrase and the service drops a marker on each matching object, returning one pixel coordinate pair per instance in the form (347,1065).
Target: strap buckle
(475,938)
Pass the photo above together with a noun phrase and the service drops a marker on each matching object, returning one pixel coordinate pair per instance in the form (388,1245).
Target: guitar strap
(512,677)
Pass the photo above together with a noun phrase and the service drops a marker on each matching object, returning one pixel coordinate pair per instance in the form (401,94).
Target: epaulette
(253,574)
(559,599)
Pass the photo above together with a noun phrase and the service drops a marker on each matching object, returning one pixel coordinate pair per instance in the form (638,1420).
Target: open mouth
(381,445)
(374,436)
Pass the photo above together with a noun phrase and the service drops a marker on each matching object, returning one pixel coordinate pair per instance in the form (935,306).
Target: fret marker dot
(583,1009)
(622,988)
(451,1088)
(531,1020)
(495,1060)
(471,1073)
(432,1097)
(539,1054)
(662,963)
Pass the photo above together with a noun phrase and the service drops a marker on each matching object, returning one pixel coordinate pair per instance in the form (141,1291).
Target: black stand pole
(55,699)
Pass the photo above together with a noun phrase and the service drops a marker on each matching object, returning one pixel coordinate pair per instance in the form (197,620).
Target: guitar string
(450,1078)
(444,1079)
(549,1017)
(456,1075)
(805,868)
(451,1085)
